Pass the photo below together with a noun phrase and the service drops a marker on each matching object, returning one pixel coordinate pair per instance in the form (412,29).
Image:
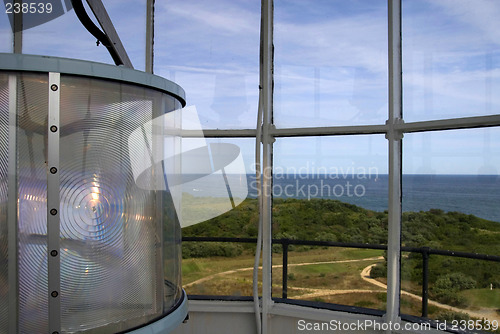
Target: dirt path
(487,313)
(207,278)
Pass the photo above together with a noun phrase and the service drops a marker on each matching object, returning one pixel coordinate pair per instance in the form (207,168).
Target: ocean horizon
(478,195)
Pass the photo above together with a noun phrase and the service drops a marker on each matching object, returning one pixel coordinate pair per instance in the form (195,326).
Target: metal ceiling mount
(108,35)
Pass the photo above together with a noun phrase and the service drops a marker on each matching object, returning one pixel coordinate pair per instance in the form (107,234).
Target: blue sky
(330,69)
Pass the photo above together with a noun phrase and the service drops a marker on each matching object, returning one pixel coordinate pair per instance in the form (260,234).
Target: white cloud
(451,53)
(225,17)
(359,41)
(478,16)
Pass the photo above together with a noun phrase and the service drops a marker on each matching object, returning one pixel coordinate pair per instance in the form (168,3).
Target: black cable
(81,13)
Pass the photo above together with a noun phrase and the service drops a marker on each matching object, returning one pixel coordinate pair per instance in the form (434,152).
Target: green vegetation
(482,297)
(332,220)
(450,316)
(451,230)
(317,219)
(205,249)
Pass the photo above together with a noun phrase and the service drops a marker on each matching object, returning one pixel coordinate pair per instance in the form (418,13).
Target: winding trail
(486,313)
(207,278)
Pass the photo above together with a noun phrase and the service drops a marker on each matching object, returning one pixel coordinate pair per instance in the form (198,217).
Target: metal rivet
(54,252)
(54,87)
(53,212)
(53,128)
(54,294)
(53,170)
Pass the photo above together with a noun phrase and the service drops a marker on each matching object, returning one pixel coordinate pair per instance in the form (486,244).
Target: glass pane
(55,30)
(331,189)
(5,33)
(451,55)
(63,36)
(129,19)
(330,63)
(211,49)
(222,268)
(32,110)
(451,191)
(4,230)
(111,221)
(171,253)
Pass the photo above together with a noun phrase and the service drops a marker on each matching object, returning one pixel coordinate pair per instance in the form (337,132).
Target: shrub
(378,271)
(208,249)
(449,316)
(455,282)
(451,298)
(447,287)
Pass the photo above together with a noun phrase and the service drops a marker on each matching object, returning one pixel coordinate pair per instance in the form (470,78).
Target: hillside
(332,220)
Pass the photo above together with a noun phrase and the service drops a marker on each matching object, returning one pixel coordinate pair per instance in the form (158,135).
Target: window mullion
(395,162)
(267,141)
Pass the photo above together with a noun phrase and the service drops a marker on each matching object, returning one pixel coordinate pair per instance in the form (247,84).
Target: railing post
(425,280)
(284,243)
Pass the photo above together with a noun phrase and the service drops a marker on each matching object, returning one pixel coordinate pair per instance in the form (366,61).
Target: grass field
(196,268)
(482,298)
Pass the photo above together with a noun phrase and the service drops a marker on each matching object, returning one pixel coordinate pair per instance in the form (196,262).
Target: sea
(478,195)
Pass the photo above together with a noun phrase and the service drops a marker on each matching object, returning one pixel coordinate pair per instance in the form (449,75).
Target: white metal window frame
(394,130)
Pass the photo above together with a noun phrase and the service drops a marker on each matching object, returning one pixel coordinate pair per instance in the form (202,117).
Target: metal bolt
(54,294)
(54,87)
(54,252)
(53,212)
(53,170)
(53,128)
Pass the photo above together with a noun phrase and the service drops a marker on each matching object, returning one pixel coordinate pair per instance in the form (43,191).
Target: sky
(330,70)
